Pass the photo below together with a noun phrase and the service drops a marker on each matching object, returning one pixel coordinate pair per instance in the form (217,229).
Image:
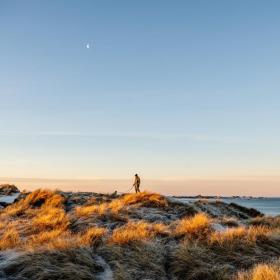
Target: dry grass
(99,209)
(36,199)
(58,242)
(49,219)
(146,198)
(261,272)
(50,240)
(136,261)
(92,236)
(197,226)
(77,263)
(193,261)
(9,239)
(271,222)
(239,236)
(121,203)
(38,220)
(62,240)
(229,221)
(137,231)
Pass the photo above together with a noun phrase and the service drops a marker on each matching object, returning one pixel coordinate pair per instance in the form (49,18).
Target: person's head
(136,175)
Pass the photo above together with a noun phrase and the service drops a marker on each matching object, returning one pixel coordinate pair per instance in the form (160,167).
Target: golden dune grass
(62,240)
(50,218)
(33,200)
(261,272)
(34,220)
(51,240)
(40,222)
(10,239)
(99,209)
(137,231)
(146,198)
(44,237)
(118,204)
(39,225)
(239,236)
(196,226)
(92,235)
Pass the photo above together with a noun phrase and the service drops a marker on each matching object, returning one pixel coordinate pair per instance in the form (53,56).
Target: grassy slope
(55,235)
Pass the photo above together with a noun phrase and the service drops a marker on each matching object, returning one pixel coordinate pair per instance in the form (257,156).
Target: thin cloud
(140,135)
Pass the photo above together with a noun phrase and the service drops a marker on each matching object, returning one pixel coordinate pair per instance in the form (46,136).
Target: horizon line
(189,178)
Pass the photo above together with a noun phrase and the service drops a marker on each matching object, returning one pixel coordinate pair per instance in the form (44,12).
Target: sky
(173,90)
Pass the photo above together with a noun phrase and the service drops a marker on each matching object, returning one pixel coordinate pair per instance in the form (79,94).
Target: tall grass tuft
(238,237)
(197,226)
(137,231)
(261,272)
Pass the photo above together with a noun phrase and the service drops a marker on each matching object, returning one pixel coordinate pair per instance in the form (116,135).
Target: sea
(267,205)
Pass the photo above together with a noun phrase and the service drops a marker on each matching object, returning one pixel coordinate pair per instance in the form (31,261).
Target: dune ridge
(66,235)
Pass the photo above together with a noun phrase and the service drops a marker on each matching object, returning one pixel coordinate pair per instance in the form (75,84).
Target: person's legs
(138,188)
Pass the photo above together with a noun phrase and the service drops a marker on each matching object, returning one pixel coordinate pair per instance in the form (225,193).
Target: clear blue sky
(170,89)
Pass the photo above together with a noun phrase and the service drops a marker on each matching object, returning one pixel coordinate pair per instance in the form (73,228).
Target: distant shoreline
(223,197)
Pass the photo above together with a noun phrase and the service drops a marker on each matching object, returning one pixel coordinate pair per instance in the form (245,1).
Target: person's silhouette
(136,184)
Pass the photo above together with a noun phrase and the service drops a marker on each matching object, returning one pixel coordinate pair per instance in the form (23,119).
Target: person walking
(136,184)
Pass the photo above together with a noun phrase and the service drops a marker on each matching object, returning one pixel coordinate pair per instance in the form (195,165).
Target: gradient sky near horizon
(168,89)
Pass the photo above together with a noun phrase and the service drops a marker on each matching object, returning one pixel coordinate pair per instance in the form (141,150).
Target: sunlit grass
(10,239)
(261,272)
(50,218)
(137,231)
(62,240)
(119,204)
(142,226)
(196,226)
(32,201)
(149,199)
(240,236)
